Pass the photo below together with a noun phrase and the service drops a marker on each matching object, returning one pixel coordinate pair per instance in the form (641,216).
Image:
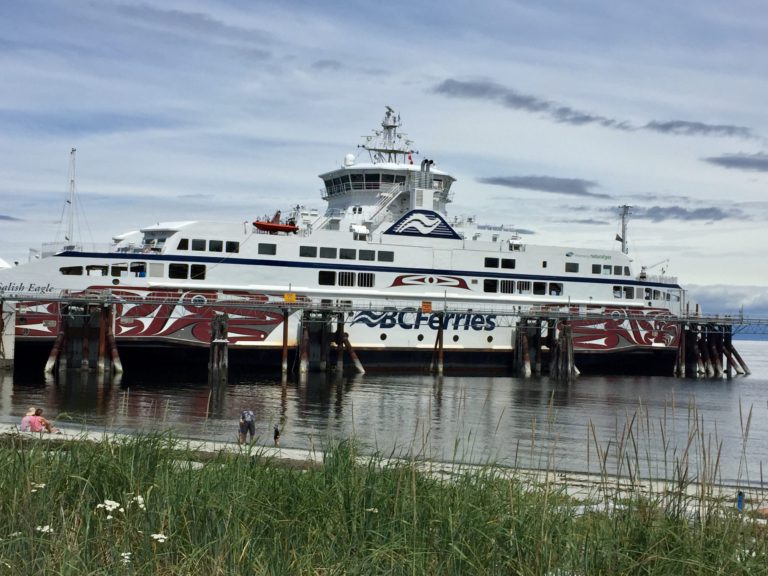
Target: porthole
(115,282)
(490,339)
(420,337)
(456,338)
(198,301)
(383,336)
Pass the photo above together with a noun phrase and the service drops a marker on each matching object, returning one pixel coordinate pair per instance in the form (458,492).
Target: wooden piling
(117,364)
(739,359)
(717,363)
(526,354)
(355,360)
(304,348)
(340,343)
(537,343)
(284,364)
(218,363)
(55,351)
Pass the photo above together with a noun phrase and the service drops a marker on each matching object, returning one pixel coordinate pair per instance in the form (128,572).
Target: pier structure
(544,338)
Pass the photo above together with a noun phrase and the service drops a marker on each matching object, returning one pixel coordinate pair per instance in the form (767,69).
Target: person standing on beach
(247,426)
(276,435)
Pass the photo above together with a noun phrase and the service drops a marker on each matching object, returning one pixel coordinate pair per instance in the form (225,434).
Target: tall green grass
(242,513)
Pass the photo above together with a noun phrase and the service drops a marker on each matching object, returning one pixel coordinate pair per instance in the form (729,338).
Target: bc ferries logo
(423,223)
(417,320)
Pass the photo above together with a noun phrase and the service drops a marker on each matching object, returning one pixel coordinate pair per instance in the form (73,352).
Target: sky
(551,114)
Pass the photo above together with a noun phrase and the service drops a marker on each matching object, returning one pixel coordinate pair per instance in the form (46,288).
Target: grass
(146,505)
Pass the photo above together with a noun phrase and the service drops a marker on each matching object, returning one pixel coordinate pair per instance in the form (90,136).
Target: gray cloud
(725,299)
(662,213)
(8,218)
(332,65)
(755,162)
(571,186)
(484,90)
(590,221)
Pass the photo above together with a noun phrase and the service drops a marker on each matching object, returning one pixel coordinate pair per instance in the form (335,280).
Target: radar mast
(388,145)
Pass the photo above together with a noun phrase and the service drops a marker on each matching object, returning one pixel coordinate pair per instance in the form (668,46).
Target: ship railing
(386,198)
(659,278)
(52,248)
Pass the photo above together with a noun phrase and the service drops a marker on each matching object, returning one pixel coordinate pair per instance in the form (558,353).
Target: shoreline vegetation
(155,504)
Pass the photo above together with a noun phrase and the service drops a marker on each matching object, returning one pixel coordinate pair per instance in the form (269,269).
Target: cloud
(78,122)
(485,90)
(754,162)
(662,213)
(722,299)
(332,65)
(570,186)
(590,221)
(8,218)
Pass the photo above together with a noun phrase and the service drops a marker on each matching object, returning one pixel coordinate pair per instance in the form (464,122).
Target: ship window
(647,293)
(357,181)
(155,270)
(347,253)
(369,255)
(346,278)
(326,252)
(491,262)
(571,266)
(268,249)
(595,268)
(629,293)
(388,178)
(329,186)
(400,178)
(523,287)
(232,247)
(197,271)
(96,270)
(139,269)
(365,279)
(372,181)
(386,256)
(617,270)
(508,263)
(555,289)
(626,271)
(198,245)
(326,278)
(72,270)
(666,296)
(539,288)
(118,269)
(507,286)
(607,269)
(179,271)
(183,244)
(345,182)
(544,264)
(617,291)
(490,285)
(657,295)
(215,245)
(308,251)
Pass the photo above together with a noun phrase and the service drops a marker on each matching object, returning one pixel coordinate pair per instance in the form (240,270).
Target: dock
(543,336)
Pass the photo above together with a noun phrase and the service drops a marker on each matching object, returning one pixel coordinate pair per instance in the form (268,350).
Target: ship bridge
(387,185)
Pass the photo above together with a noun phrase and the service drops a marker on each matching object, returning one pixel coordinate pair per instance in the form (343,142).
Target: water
(510,421)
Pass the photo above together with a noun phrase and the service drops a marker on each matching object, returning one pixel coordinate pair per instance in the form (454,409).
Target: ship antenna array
(624,213)
(387,144)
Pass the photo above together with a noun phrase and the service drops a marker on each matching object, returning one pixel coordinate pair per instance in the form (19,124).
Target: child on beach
(247,426)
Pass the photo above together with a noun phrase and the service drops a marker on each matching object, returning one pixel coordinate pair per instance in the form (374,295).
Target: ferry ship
(386,249)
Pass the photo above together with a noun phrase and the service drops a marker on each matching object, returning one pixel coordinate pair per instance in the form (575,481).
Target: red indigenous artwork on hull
(174,315)
(621,329)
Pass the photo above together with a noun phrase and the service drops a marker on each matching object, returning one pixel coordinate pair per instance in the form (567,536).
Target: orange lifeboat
(274,226)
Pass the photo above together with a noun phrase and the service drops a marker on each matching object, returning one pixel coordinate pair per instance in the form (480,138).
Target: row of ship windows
(571,267)
(138,270)
(200,245)
(556,289)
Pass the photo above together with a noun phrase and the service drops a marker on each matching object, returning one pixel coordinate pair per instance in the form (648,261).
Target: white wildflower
(15,534)
(126,557)
(139,500)
(373,510)
(109,516)
(37,485)
(109,505)
(44,529)
(160,537)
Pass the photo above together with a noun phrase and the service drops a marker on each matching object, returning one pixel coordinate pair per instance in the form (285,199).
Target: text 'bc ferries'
(384,252)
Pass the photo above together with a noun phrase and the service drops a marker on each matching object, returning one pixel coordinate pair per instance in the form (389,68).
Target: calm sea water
(479,419)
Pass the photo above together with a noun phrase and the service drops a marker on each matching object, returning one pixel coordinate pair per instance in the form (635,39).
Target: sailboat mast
(624,217)
(71,198)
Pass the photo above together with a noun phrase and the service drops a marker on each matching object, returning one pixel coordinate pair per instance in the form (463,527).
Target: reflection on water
(535,422)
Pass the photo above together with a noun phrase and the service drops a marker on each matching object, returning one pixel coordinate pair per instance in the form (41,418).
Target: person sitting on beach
(247,426)
(26,421)
(276,435)
(38,423)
